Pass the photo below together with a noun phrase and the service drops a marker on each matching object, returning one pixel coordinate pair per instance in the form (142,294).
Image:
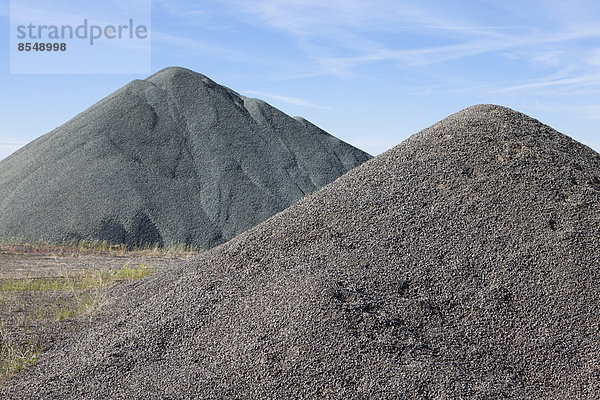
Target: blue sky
(369,72)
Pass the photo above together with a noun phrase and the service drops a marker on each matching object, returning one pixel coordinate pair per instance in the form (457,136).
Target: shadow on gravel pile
(174,158)
(463,263)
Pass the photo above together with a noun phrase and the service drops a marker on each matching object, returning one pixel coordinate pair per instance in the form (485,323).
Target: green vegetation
(80,294)
(84,247)
(39,302)
(81,281)
(34,311)
(13,358)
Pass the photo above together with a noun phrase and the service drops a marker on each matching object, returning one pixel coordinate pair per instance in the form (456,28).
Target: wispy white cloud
(594,57)
(289,100)
(312,17)
(189,43)
(582,80)
(552,58)
(25,14)
(468,48)
(568,14)
(63,13)
(188,11)
(339,36)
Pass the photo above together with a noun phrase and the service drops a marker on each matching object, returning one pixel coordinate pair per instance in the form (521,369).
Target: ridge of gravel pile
(463,263)
(174,158)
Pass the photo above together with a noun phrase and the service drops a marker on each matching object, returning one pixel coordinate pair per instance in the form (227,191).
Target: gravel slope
(170,159)
(463,263)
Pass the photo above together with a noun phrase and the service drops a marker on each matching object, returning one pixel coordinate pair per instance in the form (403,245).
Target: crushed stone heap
(463,263)
(174,158)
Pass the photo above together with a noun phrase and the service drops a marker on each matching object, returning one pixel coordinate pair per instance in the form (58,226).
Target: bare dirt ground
(48,294)
(21,266)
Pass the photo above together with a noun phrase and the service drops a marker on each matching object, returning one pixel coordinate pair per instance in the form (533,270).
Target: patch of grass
(29,285)
(132,274)
(14,357)
(40,302)
(65,297)
(98,247)
(83,280)
(63,313)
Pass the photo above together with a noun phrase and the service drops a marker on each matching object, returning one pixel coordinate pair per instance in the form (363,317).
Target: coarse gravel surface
(174,158)
(463,263)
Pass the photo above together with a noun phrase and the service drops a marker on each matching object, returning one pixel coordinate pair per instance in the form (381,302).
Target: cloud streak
(583,80)
(339,36)
(289,100)
(192,44)
(468,48)
(312,17)
(343,35)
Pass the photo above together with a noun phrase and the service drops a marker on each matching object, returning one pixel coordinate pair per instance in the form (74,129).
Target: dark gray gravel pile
(463,263)
(170,159)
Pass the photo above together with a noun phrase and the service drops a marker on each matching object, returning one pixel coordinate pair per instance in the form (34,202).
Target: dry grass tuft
(97,247)
(14,357)
(39,302)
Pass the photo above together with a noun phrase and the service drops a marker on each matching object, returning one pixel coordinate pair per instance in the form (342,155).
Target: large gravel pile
(463,263)
(170,159)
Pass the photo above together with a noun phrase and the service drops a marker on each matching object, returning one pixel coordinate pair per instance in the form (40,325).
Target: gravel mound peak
(463,263)
(170,159)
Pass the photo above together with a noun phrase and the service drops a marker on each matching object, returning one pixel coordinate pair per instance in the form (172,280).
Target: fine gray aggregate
(174,158)
(463,263)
